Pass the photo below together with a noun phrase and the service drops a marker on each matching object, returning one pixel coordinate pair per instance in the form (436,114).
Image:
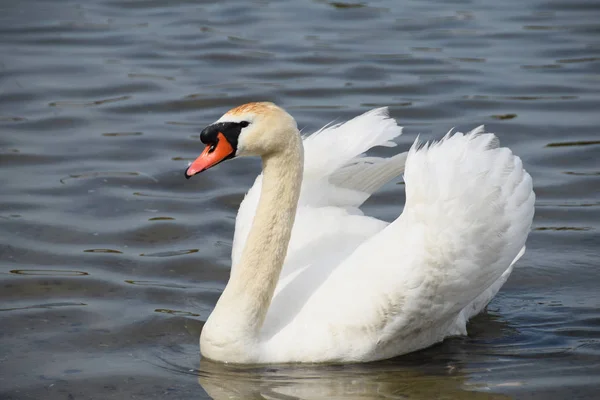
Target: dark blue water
(110,261)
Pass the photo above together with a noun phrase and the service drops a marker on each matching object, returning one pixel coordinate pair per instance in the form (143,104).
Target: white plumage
(354,288)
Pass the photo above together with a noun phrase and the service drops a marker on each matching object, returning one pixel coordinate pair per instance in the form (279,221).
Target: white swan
(348,287)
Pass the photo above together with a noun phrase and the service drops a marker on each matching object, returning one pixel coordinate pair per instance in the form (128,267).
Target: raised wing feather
(469,206)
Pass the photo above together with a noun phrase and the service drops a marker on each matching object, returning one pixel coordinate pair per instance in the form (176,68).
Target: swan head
(252,129)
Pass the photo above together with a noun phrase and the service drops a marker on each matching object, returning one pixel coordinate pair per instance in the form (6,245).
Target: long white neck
(231,332)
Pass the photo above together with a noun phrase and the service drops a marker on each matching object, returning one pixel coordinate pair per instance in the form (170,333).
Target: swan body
(315,280)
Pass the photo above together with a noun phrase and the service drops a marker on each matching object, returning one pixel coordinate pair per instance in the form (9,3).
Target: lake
(111,261)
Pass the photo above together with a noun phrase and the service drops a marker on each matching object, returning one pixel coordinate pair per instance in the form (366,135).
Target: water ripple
(110,261)
(48,272)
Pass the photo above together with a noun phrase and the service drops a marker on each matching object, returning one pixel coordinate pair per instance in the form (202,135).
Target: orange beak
(211,156)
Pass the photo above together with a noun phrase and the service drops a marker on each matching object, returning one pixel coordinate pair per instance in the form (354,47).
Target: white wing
(468,212)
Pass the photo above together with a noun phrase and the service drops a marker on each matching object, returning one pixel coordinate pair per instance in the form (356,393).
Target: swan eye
(244,124)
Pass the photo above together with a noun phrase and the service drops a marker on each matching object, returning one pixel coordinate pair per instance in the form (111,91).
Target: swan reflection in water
(465,368)
(381,380)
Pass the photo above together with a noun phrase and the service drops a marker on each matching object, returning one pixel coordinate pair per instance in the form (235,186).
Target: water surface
(110,261)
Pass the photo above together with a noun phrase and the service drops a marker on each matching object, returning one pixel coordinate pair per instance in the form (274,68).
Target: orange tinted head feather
(255,108)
